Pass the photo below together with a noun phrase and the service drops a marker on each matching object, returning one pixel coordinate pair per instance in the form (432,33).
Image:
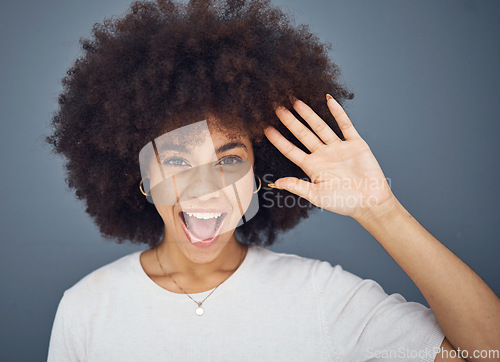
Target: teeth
(204,215)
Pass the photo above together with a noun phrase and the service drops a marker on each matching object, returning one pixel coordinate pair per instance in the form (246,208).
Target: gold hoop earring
(142,190)
(260,184)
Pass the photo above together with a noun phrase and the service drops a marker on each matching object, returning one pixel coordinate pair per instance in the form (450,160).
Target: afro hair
(163,65)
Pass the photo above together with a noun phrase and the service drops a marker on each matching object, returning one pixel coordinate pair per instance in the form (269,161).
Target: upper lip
(212,210)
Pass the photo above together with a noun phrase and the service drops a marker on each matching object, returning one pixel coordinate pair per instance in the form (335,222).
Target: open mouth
(202,227)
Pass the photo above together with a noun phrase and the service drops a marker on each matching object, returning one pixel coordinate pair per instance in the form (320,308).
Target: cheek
(166,213)
(241,196)
(165,193)
(245,187)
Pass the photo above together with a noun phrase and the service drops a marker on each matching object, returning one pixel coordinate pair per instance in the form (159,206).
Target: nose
(204,182)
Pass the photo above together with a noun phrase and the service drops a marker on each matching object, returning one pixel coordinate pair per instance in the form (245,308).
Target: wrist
(384,211)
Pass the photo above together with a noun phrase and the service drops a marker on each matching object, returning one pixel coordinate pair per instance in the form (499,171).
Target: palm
(345,176)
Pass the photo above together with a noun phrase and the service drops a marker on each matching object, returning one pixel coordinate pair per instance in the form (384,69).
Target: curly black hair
(163,65)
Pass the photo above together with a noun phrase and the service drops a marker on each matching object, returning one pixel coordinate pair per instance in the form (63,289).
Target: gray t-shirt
(274,307)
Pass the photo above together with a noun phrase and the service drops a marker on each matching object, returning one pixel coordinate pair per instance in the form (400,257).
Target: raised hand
(345,176)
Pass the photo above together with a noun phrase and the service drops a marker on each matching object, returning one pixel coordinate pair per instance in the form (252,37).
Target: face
(202,183)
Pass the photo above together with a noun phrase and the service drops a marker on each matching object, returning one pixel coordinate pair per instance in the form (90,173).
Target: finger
(299,130)
(320,127)
(342,119)
(287,148)
(295,186)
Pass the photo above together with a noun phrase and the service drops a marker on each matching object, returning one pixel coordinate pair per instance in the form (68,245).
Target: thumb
(295,186)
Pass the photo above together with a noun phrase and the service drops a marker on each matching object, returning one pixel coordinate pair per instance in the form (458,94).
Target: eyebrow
(181,148)
(230,146)
(173,147)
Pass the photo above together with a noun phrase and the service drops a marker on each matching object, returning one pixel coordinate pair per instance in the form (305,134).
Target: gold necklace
(199,311)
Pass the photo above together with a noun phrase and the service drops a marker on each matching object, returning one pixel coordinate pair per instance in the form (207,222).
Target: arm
(63,345)
(466,308)
(347,179)
(447,353)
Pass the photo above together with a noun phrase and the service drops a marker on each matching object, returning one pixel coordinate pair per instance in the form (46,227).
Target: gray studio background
(426,77)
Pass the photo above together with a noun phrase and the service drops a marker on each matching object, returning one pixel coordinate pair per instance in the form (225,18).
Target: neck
(174,261)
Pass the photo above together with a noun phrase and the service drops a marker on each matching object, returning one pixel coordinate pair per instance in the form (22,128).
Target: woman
(171,121)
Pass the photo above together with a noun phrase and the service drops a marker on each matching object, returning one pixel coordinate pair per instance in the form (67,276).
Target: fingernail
(274,186)
(328,97)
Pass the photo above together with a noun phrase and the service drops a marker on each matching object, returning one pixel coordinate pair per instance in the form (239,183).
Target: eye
(176,162)
(230,160)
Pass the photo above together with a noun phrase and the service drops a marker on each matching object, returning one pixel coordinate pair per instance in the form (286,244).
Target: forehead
(203,134)
(219,130)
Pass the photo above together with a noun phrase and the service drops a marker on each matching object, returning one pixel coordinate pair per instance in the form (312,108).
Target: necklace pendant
(199,311)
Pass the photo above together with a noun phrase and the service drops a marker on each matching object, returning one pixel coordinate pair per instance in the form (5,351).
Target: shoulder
(106,278)
(287,264)
(270,258)
(325,276)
